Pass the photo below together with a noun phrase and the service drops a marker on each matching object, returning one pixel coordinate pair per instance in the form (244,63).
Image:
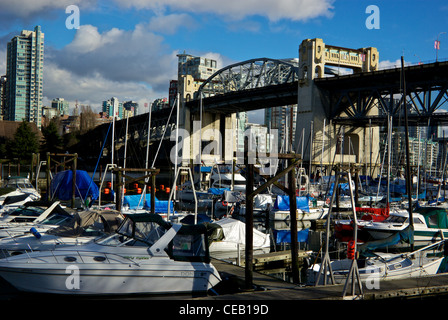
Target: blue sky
(127,48)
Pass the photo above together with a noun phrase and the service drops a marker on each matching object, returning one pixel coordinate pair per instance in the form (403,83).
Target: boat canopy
(235,231)
(404,236)
(62,185)
(109,220)
(282,203)
(189,244)
(434,217)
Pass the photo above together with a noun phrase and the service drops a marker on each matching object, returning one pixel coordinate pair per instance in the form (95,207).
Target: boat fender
(35,233)
(351,250)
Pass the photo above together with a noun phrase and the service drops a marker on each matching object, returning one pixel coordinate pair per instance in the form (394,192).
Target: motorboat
(30,212)
(365,216)
(429,223)
(15,199)
(262,205)
(146,255)
(384,266)
(21,185)
(15,192)
(54,216)
(83,227)
(234,237)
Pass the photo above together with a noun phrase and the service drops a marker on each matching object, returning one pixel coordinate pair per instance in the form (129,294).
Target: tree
(52,139)
(25,142)
(88,119)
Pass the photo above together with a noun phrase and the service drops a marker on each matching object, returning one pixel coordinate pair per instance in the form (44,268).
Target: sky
(127,48)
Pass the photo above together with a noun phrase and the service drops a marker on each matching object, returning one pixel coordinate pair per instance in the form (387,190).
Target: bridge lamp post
(437,45)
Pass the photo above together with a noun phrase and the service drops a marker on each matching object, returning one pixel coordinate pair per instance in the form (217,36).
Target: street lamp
(437,45)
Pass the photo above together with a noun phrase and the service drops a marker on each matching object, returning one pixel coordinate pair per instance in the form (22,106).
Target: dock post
(293,217)
(120,183)
(249,217)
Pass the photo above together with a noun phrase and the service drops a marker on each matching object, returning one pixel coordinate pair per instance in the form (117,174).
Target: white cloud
(295,10)
(169,24)
(127,64)
(119,55)
(90,89)
(387,64)
(28,8)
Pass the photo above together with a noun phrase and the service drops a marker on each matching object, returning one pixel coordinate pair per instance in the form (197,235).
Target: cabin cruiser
(30,212)
(146,255)
(429,223)
(15,192)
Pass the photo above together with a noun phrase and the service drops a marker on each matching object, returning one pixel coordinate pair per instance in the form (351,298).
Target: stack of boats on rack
(146,255)
(205,197)
(281,209)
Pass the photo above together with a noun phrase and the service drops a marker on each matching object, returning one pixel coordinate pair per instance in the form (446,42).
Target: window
(433,221)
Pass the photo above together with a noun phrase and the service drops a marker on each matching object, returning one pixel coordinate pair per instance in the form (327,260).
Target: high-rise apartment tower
(24,73)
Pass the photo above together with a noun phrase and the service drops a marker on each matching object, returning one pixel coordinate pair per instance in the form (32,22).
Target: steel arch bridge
(250,85)
(250,74)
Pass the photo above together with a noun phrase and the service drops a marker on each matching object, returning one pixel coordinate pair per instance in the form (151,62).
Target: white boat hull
(395,271)
(116,275)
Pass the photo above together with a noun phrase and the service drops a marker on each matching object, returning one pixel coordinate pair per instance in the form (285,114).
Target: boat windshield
(396,219)
(56,219)
(28,211)
(132,233)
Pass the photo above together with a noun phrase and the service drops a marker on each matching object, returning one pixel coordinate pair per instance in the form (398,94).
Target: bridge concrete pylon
(322,146)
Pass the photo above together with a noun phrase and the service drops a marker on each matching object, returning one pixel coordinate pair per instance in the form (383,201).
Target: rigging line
(331,169)
(99,157)
(161,139)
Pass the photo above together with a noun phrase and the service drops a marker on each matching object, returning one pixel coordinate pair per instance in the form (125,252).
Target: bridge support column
(337,144)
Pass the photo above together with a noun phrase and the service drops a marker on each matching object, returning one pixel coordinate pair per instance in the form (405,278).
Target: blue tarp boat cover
(405,236)
(61,185)
(217,191)
(284,236)
(135,202)
(282,203)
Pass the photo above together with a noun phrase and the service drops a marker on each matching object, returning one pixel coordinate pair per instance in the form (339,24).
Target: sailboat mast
(408,166)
